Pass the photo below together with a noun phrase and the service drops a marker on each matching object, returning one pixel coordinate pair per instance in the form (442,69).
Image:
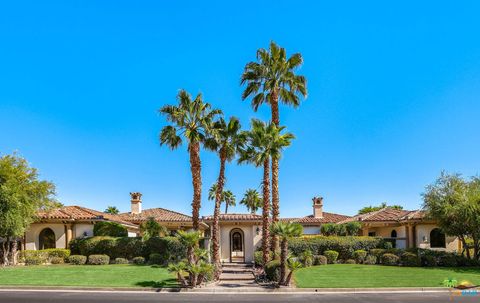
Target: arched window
(437,238)
(393,234)
(237,241)
(46,239)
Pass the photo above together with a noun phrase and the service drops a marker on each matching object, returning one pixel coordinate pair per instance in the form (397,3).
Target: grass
(88,276)
(355,275)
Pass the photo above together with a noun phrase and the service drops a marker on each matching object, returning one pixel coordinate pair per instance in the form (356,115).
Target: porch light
(425,239)
(257,230)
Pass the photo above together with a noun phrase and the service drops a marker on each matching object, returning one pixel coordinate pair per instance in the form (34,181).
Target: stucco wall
(386,232)
(251,240)
(31,236)
(423,238)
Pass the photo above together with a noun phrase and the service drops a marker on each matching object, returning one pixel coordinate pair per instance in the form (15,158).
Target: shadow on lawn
(158,284)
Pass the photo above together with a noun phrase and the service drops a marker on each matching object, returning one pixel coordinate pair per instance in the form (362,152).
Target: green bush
(156,259)
(57,260)
(307,258)
(170,248)
(57,252)
(320,260)
(390,259)
(111,229)
(77,260)
(410,259)
(447,260)
(29,254)
(353,228)
(331,255)
(98,260)
(272,270)
(33,260)
(350,261)
(360,255)
(121,261)
(388,245)
(370,260)
(345,246)
(377,252)
(138,260)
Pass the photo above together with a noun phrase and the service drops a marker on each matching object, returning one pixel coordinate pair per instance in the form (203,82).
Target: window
(372,234)
(437,238)
(46,239)
(393,234)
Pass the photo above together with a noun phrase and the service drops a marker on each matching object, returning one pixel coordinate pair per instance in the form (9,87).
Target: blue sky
(394,95)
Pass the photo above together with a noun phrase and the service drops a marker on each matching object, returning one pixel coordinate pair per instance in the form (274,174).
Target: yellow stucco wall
(423,238)
(251,240)
(31,236)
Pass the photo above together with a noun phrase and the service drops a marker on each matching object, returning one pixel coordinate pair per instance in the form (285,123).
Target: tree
(269,80)
(285,231)
(455,204)
(22,195)
(293,265)
(252,200)
(109,228)
(226,197)
(190,240)
(112,210)
(368,209)
(264,142)
(192,119)
(152,228)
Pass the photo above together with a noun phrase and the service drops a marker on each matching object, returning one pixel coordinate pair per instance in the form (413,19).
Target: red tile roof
(235,217)
(327,218)
(387,214)
(78,213)
(160,215)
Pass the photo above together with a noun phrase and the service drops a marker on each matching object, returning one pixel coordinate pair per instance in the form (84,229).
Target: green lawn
(354,275)
(88,276)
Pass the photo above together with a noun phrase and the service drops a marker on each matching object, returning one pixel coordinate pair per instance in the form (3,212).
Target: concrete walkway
(235,275)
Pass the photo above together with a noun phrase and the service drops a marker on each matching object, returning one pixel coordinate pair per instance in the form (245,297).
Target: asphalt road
(119,297)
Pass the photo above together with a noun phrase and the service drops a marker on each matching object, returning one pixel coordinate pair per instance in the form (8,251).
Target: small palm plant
(252,200)
(179,269)
(190,240)
(293,265)
(285,231)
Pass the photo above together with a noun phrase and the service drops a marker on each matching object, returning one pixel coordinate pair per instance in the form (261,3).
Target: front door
(237,254)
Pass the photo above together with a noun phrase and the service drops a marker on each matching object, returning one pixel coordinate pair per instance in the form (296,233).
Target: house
(240,234)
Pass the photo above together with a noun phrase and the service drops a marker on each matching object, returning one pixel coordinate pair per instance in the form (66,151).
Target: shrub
(387,245)
(370,260)
(350,261)
(121,261)
(320,260)
(272,270)
(328,229)
(447,260)
(77,260)
(345,246)
(429,261)
(377,252)
(98,260)
(170,248)
(33,260)
(258,258)
(155,259)
(353,228)
(410,259)
(359,255)
(390,259)
(32,254)
(331,255)
(57,252)
(57,260)
(138,260)
(107,228)
(307,258)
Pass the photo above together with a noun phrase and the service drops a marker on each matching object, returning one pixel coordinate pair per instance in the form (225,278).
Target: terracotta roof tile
(160,215)
(77,213)
(387,214)
(235,217)
(327,218)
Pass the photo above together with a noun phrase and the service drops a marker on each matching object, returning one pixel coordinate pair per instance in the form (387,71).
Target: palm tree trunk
(289,278)
(275,168)
(216,216)
(283,261)
(195,167)
(266,210)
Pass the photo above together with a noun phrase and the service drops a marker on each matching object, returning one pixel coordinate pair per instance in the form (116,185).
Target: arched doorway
(46,239)
(393,236)
(237,246)
(437,238)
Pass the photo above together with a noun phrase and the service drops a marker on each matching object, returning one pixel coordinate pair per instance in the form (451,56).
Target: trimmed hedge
(320,260)
(107,228)
(390,259)
(138,260)
(33,260)
(77,260)
(350,261)
(98,260)
(331,255)
(44,255)
(360,255)
(57,260)
(345,246)
(410,259)
(121,261)
(370,260)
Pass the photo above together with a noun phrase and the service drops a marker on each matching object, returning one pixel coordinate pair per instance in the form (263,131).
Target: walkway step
(236,277)
(246,265)
(232,270)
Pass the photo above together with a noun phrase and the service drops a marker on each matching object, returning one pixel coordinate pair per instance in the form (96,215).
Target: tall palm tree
(112,210)
(264,142)
(225,140)
(226,197)
(252,200)
(270,80)
(192,119)
(285,231)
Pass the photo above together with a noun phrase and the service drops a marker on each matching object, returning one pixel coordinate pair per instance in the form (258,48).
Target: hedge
(77,260)
(345,246)
(98,260)
(272,270)
(44,255)
(169,248)
(112,229)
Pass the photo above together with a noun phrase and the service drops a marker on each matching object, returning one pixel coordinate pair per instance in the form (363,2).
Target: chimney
(317,207)
(136,202)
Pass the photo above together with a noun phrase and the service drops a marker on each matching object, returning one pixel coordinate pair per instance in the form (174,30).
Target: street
(116,297)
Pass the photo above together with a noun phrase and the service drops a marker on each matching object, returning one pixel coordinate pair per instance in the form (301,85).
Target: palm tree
(178,269)
(190,240)
(225,139)
(269,80)
(285,231)
(193,120)
(113,210)
(252,200)
(229,199)
(264,142)
(293,265)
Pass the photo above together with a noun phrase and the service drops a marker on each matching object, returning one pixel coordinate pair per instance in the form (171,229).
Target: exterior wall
(386,232)
(423,238)
(251,240)
(311,230)
(31,236)
(82,230)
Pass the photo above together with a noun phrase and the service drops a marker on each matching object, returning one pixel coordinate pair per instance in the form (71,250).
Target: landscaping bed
(88,276)
(365,276)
